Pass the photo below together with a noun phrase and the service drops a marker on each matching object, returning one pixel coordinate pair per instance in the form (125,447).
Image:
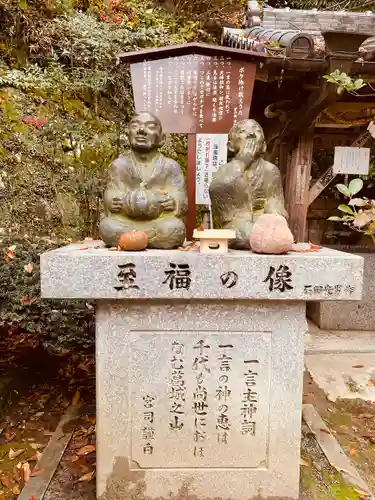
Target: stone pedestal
(357,315)
(199,365)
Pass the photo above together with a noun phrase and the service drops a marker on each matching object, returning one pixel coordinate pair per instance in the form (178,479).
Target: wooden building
(299,110)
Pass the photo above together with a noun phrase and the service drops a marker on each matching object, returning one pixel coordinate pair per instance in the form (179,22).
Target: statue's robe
(240,194)
(141,196)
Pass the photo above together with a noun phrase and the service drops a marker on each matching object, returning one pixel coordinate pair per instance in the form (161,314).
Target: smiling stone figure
(145,190)
(247,186)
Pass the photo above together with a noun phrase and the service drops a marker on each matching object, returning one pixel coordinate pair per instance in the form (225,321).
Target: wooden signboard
(351,160)
(211,152)
(194,93)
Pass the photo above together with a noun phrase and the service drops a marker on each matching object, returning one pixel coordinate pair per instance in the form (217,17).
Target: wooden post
(284,160)
(191,176)
(298,184)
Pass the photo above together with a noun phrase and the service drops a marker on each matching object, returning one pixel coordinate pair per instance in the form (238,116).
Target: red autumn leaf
(29,120)
(10,252)
(33,498)
(40,123)
(118,20)
(5,482)
(27,300)
(358,366)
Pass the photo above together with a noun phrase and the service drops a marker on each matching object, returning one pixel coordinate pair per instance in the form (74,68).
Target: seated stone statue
(145,191)
(247,186)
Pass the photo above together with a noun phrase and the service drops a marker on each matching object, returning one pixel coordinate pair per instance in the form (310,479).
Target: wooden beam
(298,183)
(318,101)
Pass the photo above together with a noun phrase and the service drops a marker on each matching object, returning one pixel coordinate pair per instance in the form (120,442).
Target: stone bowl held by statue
(141,207)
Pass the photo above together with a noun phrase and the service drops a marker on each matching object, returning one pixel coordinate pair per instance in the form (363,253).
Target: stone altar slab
(92,271)
(351,315)
(199,387)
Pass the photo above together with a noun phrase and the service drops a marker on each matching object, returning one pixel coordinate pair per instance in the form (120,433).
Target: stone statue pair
(146,191)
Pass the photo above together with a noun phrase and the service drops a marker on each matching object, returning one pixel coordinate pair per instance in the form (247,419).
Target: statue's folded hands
(145,190)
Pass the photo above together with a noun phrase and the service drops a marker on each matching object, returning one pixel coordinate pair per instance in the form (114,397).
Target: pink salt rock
(271,235)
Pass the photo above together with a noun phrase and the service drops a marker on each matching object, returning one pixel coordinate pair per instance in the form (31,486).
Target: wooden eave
(308,65)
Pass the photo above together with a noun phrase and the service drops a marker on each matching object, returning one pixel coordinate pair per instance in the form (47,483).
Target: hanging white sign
(349,160)
(211,153)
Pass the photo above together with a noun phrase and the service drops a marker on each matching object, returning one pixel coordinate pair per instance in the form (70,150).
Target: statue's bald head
(145,132)
(245,136)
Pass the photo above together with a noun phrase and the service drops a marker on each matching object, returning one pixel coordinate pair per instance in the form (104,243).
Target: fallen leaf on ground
(33,498)
(86,450)
(352,452)
(325,431)
(16,490)
(29,268)
(26,472)
(370,437)
(27,300)
(76,398)
(36,473)
(5,482)
(358,366)
(304,462)
(310,248)
(74,458)
(86,477)
(14,454)
(36,446)
(361,493)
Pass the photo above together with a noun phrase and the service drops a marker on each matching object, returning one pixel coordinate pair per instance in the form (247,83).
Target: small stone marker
(214,240)
(351,160)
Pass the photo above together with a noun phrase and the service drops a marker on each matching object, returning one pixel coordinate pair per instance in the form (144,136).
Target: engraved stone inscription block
(200,399)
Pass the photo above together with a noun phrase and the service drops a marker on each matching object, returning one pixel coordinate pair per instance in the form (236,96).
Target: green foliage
(56,323)
(64,105)
(344,82)
(359,212)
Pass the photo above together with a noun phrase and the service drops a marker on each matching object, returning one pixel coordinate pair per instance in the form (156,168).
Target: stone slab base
(350,315)
(199,399)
